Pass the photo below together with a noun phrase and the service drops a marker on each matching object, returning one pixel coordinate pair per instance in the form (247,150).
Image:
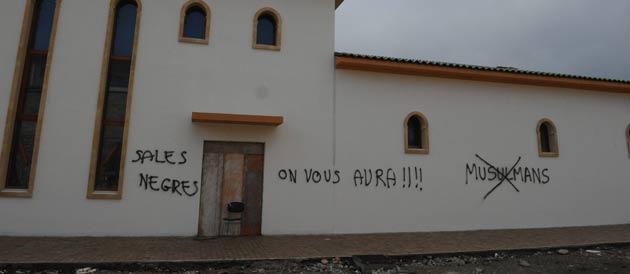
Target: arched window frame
(424,134)
(182,22)
(16,87)
(553,139)
(98,125)
(276,15)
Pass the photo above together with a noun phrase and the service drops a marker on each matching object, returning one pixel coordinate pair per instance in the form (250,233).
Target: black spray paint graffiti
(386,178)
(408,178)
(311,176)
(163,157)
(490,173)
(169,185)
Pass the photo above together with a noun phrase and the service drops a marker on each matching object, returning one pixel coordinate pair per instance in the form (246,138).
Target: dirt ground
(605,259)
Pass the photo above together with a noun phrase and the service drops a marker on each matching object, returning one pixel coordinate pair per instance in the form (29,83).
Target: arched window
(267,29)
(195,22)
(416,134)
(28,98)
(547,139)
(114,105)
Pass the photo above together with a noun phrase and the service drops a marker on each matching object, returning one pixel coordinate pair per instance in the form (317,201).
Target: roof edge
(476,73)
(338,3)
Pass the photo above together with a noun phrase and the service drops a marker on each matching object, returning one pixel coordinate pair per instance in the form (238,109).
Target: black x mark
(502,175)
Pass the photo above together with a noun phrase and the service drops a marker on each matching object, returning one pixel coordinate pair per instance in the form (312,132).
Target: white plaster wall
(172,81)
(589,181)
(10,26)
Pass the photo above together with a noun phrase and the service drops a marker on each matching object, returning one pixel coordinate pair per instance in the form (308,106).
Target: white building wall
(588,182)
(173,80)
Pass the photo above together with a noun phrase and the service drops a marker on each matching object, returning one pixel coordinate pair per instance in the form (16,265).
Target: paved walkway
(27,250)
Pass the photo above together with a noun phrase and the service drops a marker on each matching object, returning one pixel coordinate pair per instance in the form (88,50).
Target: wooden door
(232,172)
(252,192)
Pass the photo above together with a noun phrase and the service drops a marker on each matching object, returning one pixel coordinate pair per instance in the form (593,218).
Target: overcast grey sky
(585,37)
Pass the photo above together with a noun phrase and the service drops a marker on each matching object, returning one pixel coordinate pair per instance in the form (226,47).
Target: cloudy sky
(584,37)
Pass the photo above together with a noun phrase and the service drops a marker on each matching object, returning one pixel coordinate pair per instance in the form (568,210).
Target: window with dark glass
(544,138)
(30,94)
(267,30)
(416,134)
(195,23)
(413,133)
(116,96)
(547,139)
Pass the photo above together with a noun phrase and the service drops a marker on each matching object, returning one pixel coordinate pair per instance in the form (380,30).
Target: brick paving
(85,250)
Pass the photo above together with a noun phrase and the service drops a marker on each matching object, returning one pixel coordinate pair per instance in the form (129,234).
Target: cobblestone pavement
(85,250)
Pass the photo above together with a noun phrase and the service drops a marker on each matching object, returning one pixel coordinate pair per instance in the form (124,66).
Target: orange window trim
(117,195)
(276,15)
(553,139)
(424,134)
(188,5)
(16,87)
